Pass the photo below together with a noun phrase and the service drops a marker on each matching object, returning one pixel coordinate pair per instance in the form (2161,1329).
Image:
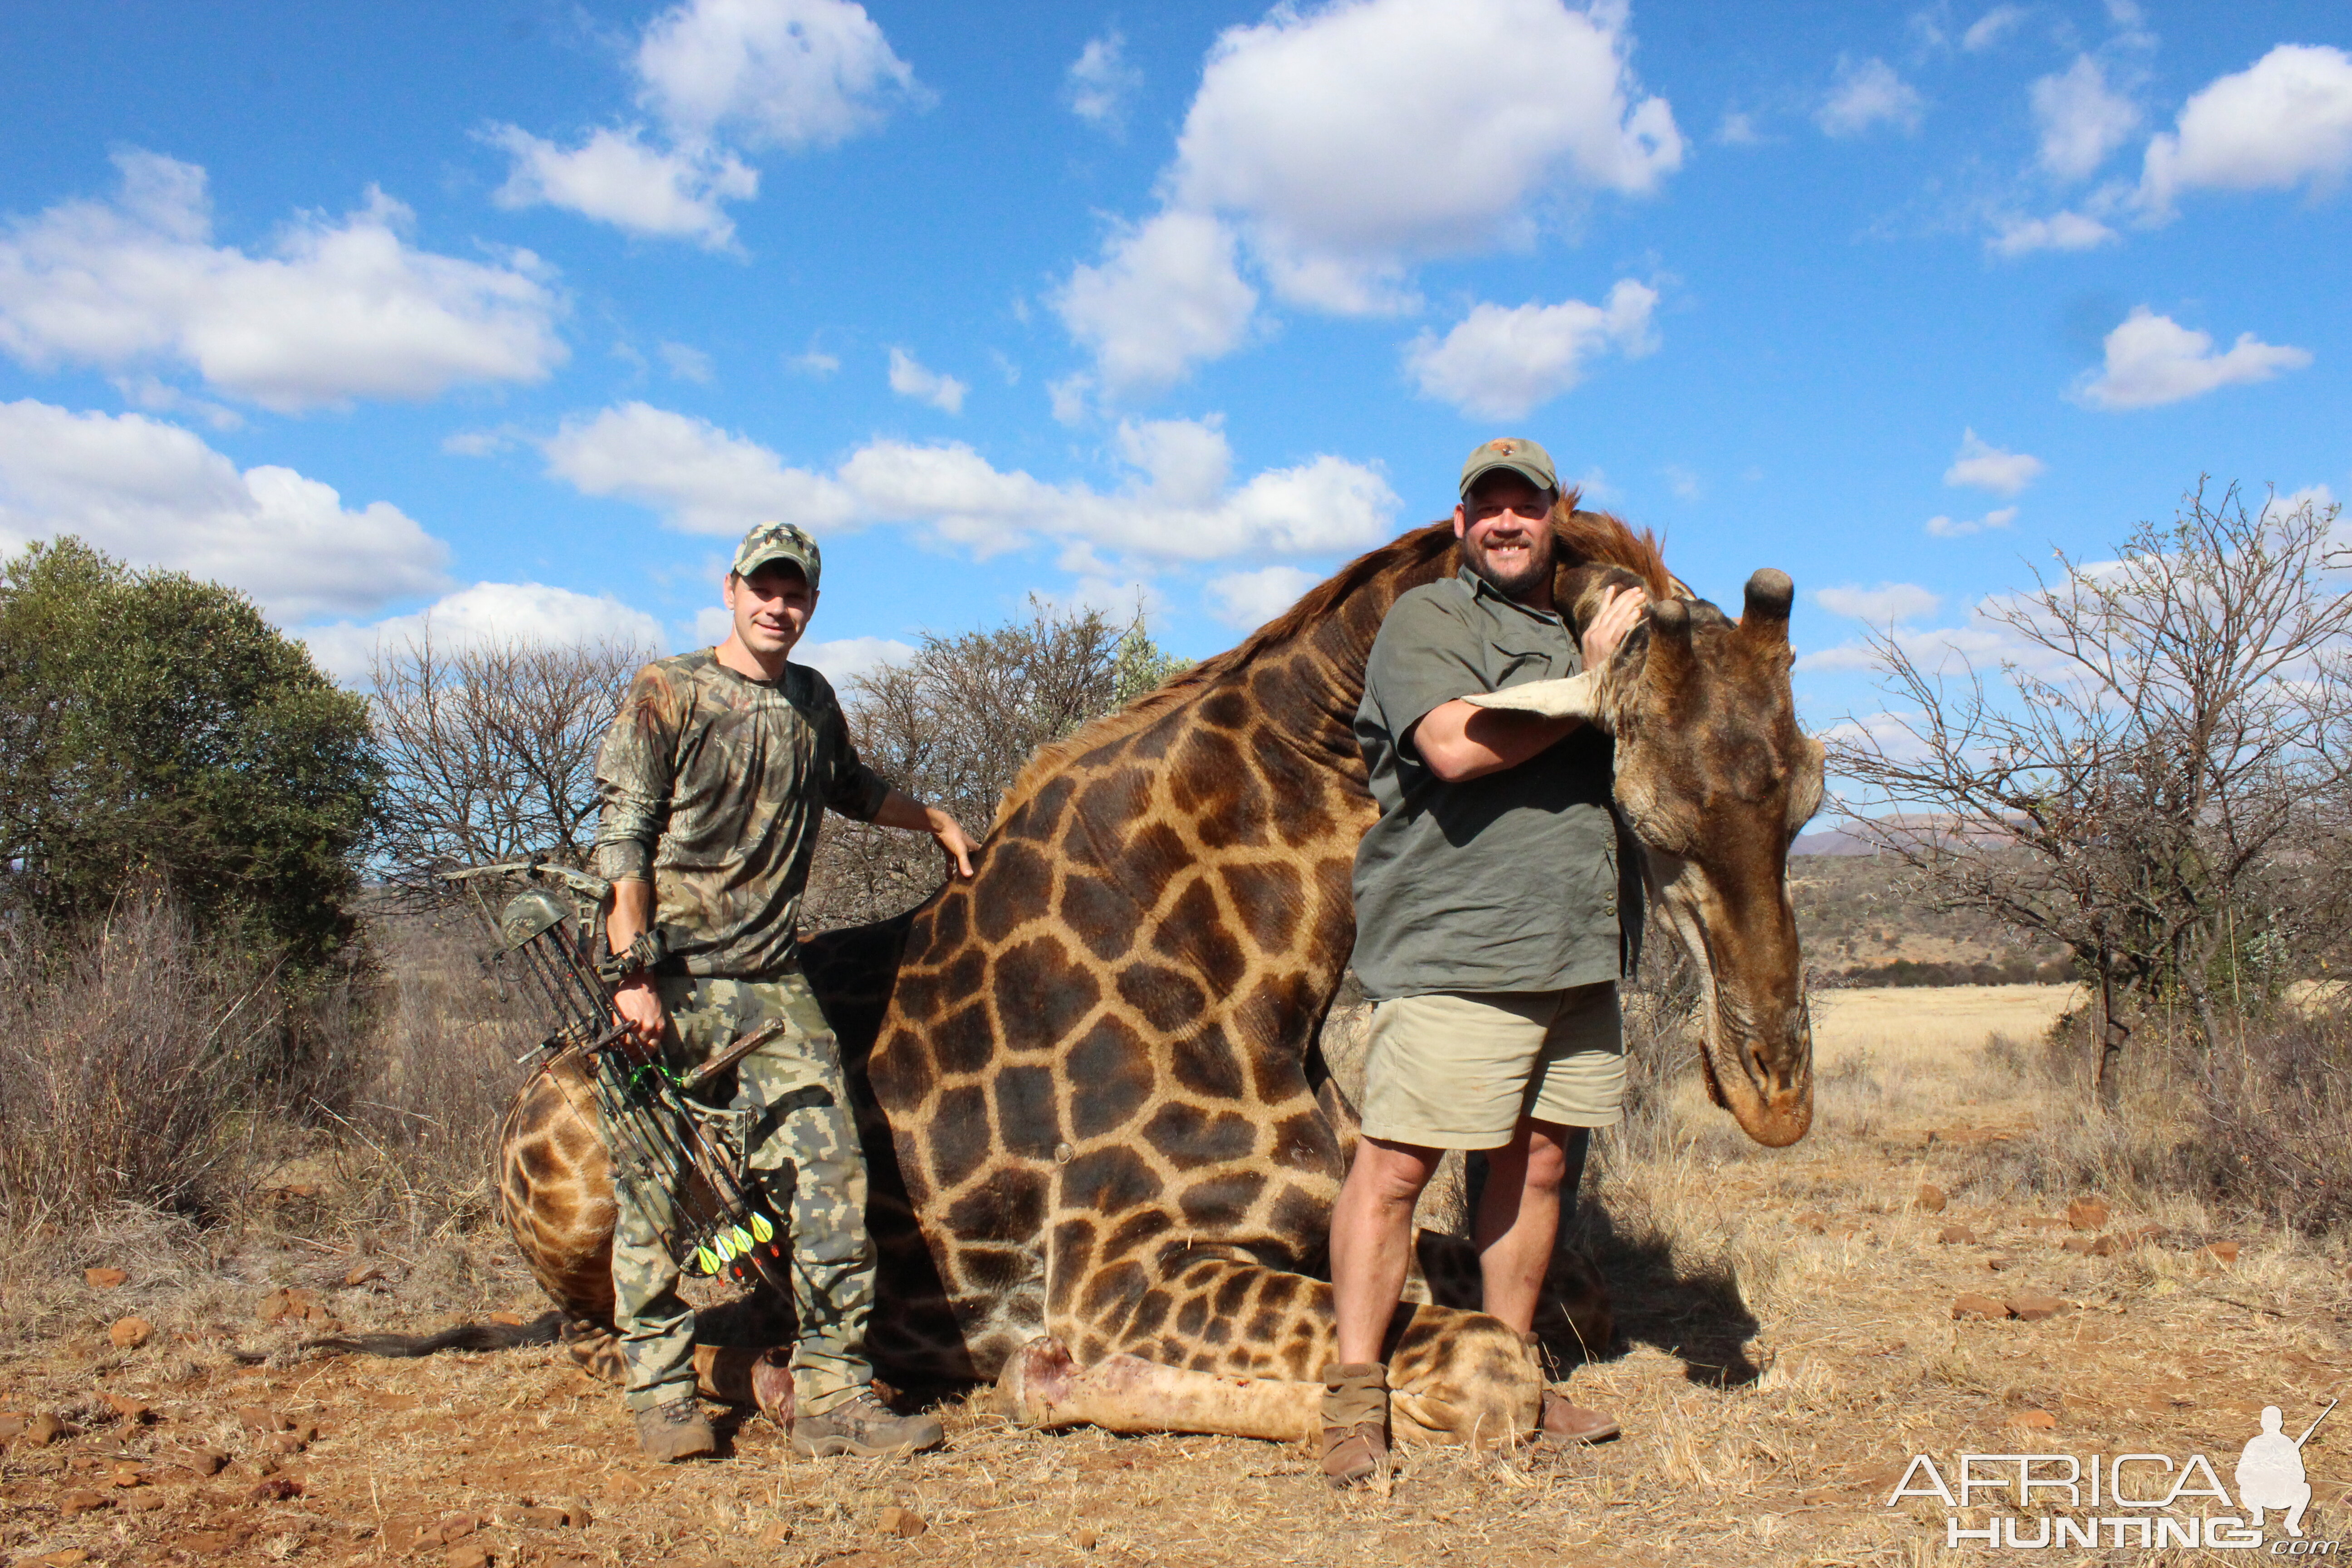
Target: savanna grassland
(1787,1340)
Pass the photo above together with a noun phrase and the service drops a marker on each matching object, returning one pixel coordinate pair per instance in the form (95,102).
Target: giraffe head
(1715,779)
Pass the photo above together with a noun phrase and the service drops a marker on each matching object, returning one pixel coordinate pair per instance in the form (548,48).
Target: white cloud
(687,364)
(2154,360)
(614,177)
(2081,118)
(2284,120)
(1865,94)
(770,73)
(476,443)
(158,496)
(340,309)
(841,659)
(1356,137)
(1681,483)
(1991,27)
(909,378)
(1737,130)
(1101,82)
(487,613)
(1960,527)
(1176,505)
(816,364)
(2059,231)
(1987,467)
(1166,296)
(1882,606)
(1246,600)
(1501,363)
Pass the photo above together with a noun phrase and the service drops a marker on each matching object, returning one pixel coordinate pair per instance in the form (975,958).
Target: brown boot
(862,1424)
(675,1431)
(1355,1422)
(1562,1425)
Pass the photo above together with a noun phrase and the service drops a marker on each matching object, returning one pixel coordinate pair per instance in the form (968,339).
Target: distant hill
(1860,922)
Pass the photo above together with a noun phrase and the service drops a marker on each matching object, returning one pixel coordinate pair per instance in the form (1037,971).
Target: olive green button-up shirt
(713,785)
(1507,883)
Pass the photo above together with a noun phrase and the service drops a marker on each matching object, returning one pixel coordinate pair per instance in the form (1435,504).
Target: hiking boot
(1355,1423)
(864,1426)
(1560,1423)
(675,1431)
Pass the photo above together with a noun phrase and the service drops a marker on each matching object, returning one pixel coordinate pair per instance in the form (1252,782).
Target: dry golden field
(1788,1340)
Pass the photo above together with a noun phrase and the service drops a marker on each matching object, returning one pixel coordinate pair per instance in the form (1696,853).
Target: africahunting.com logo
(2034,1503)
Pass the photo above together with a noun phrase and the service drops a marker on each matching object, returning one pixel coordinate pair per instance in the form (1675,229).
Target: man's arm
(902,810)
(1458,740)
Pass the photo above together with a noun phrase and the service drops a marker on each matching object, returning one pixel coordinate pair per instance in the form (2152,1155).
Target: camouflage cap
(1525,459)
(778,541)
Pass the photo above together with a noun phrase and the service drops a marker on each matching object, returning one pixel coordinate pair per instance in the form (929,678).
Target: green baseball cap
(1525,459)
(778,541)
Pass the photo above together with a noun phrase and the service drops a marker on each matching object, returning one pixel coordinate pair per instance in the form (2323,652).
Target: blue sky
(520,315)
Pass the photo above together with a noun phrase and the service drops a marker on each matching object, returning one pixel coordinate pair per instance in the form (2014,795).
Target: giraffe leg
(1043,1386)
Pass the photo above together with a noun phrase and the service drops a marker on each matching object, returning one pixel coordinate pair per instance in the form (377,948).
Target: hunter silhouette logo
(2042,1500)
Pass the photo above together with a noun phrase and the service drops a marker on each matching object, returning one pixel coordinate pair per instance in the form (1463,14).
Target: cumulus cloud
(1499,363)
(1867,94)
(770,73)
(1247,600)
(1341,146)
(156,495)
(487,613)
(1353,138)
(2059,231)
(2081,119)
(1991,27)
(2284,120)
(1166,296)
(1101,82)
(816,364)
(843,659)
(337,309)
(1177,504)
(910,378)
(1987,467)
(686,363)
(2153,360)
(1961,527)
(1883,606)
(717,74)
(614,177)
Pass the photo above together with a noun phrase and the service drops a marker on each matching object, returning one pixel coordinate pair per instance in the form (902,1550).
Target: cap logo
(1504,449)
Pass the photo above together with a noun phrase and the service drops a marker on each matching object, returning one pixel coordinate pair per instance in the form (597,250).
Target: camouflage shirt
(712,785)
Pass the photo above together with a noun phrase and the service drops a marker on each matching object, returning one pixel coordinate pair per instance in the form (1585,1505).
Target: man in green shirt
(1487,900)
(713,779)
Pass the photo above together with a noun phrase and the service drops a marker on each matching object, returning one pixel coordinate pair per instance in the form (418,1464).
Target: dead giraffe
(1102,1168)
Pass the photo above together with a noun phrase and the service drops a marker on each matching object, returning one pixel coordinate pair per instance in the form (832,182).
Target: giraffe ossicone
(1103,1145)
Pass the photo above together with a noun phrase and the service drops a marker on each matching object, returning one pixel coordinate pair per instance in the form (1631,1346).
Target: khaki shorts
(1458,1070)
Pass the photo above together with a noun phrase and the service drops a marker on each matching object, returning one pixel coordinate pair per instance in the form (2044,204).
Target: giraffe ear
(1765,617)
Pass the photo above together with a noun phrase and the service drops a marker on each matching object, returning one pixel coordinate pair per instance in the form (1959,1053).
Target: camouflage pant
(803,1147)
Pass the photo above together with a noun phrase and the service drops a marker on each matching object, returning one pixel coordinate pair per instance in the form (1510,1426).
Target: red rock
(2224,1253)
(2078,1244)
(363,1273)
(1956,1235)
(511,1320)
(455,1528)
(2087,1214)
(2035,1308)
(903,1523)
(206,1461)
(1997,1261)
(255,1418)
(1970,1305)
(66,1559)
(284,1444)
(83,1502)
(13,1424)
(289,1303)
(133,1411)
(104,1278)
(146,1500)
(129,1333)
(276,1488)
(2034,1420)
(1930,1200)
(1086,1540)
(2106,1246)
(45,1430)
(468,1556)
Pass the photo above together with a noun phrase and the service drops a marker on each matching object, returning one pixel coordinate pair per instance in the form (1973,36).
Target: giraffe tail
(544,1329)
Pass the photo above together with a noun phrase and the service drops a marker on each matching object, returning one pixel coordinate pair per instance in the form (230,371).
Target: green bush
(154,727)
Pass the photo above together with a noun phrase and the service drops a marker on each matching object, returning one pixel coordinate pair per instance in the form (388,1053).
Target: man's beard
(1538,570)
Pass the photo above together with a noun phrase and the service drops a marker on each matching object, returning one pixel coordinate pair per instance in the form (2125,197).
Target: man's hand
(902,810)
(642,1012)
(1619,611)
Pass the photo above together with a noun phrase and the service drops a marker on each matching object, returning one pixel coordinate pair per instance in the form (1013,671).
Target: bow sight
(669,1149)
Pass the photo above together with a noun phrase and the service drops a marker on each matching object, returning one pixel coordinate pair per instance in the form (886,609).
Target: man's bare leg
(1518,1216)
(1372,1241)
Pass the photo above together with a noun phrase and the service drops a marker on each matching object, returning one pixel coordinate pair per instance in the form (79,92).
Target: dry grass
(1786,1343)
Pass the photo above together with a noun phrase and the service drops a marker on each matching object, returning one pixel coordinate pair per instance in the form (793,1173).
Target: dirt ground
(1788,1342)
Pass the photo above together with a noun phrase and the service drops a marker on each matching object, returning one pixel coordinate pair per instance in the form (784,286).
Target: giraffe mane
(1597,537)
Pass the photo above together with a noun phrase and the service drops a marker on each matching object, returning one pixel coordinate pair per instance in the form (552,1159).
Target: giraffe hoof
(1036,1379)
(771,1388)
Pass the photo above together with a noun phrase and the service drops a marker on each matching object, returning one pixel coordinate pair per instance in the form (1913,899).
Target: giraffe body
(1104,1150)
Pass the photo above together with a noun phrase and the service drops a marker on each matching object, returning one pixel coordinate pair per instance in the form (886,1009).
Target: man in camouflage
(713,779)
